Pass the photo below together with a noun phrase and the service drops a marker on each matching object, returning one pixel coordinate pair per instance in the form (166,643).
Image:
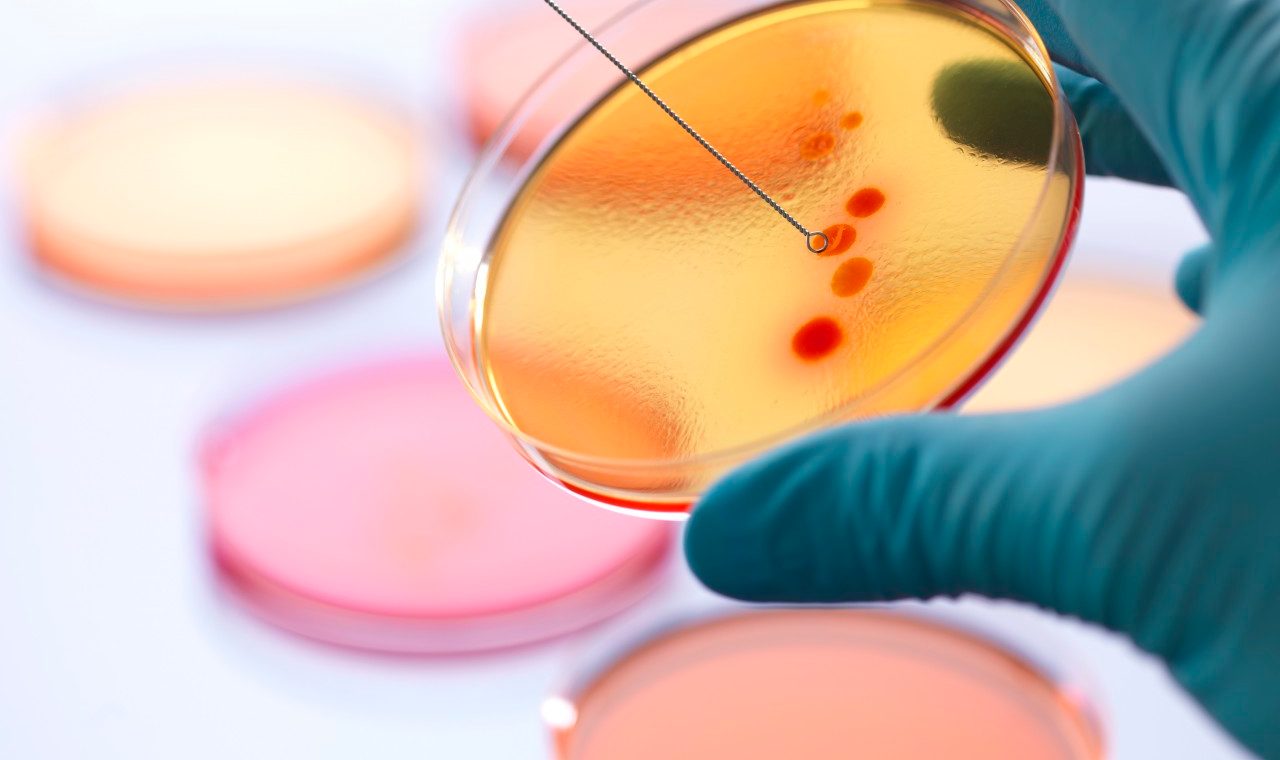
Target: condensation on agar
(840,237)
(865,202)
(818,338)
(852,276)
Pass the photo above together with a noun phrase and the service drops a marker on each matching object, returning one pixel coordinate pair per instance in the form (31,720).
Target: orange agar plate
(378,508)
(221,193)
(821,685)
(640,323)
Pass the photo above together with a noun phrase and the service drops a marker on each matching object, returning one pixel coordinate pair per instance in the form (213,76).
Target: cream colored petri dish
(1095,332)
(822,685)
(220,192)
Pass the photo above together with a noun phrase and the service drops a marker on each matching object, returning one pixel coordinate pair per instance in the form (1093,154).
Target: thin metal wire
(816,242)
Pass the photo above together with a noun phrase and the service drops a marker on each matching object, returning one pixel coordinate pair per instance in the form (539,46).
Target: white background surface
(114,641)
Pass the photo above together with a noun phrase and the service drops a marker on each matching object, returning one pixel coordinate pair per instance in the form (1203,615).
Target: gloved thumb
(1192,279)
(913,507)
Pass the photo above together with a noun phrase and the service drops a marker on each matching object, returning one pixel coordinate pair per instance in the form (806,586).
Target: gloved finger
(1202,80)
(1192,278)
(1114,146)
(910,507)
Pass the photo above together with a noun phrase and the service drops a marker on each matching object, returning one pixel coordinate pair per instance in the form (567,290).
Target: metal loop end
(817,242)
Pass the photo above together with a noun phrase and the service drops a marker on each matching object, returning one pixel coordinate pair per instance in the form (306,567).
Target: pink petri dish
(505,51)
(379,508)
(819,685)
(220,191)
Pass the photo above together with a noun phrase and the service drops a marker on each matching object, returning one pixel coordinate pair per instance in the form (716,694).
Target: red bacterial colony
(840,238)
(865,202)
(821,97)
(852,276)
(818,145)
(818,338)
(851,120)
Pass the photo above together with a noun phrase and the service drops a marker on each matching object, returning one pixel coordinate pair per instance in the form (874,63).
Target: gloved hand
(1152,508)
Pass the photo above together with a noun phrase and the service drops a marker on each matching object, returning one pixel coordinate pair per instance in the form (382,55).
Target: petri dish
(502,53)
(376,507)
(505,50)
(640,323)
(1096,332)
(820,684)
(220,191)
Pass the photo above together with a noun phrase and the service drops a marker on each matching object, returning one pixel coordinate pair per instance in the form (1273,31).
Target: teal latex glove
(1152,508)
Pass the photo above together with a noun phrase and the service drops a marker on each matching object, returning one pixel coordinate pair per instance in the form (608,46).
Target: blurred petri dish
(378,508)
(506,48)
(1095,333)
(503,51)
(221,191)
(820,684)
(640,323)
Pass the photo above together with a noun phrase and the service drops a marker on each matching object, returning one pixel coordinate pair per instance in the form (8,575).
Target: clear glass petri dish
(829,683)
(375,507)
(220,182)
(640,323)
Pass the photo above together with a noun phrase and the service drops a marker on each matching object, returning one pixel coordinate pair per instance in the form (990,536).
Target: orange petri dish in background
(821,685)
(377,508)
(221,192)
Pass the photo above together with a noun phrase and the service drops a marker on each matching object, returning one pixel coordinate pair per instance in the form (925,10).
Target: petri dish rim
(1068,682)
(1066,156)
(77,95)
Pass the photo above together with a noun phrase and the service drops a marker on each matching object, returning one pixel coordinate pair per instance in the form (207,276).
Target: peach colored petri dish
(378,508)
(220,192)
(1095,333)
(821,685)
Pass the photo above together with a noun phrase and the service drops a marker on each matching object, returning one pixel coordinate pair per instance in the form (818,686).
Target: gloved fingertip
(1114,146)
(724,540)
(1192,279)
